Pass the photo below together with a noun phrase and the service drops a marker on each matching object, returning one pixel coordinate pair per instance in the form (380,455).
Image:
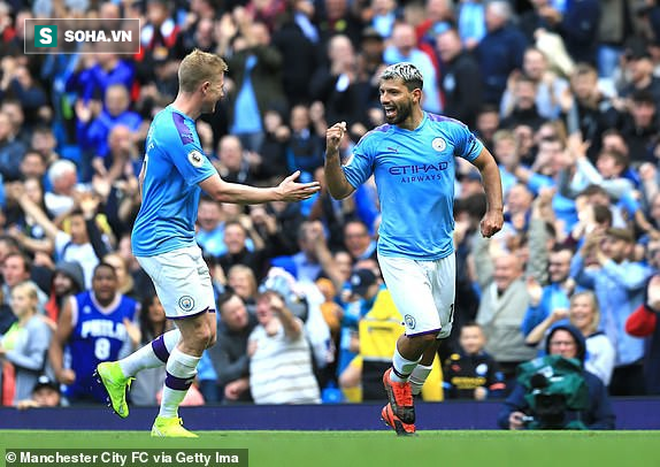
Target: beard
(209,107)
(402,112)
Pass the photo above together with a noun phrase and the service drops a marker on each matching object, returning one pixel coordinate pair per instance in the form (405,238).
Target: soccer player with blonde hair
(174,172)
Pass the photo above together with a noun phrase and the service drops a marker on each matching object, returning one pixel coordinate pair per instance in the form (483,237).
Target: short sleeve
(467,145)
(360,166)
(184,151)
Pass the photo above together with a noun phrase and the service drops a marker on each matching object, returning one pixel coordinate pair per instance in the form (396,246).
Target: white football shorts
(423,292)
(182,281)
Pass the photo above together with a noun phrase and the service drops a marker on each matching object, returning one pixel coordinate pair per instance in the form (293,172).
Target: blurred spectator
(160,40)
(43,142)
(200,35)
(25,343)
(500,51)
(125,283)
(11,151)
(68,279)
(229,355)
(314,259)
(639,127)
(211,227)
(471,22)
(84,244)
(14,110)
(584,315)
(461,81)
(233,163)
(549,87)
(46,393)
(17,269)
(617,21)
(18,82)
(33,165)
(336,84)
(638,73)
(336,17)
(93,131)
(235,239)
(276,221)
(95,326)
(297,39)
(304,150)
(504,300)
(523,108)
(358,241)
(241,280)
(256,70)
(586,109)
(63,179)
(472,373)
(404,48)
(569,343)
(619,285)
(109,70)
(505,151)
(273,149)
(643,323)
(384,14)
(488,121)
(281,370)
(546,300)
(26,230)
(578,27)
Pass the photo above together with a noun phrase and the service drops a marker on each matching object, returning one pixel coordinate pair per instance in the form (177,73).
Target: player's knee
(427,339)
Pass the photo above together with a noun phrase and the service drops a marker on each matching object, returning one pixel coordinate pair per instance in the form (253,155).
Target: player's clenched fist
(334,135)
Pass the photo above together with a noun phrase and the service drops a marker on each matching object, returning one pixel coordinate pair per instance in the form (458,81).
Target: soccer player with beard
(174,172)
(412,158)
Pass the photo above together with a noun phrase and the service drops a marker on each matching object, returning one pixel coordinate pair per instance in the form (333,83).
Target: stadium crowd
(565,94)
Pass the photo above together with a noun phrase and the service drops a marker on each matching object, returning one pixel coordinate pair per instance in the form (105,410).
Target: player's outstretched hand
(334,135)
(294,191)
(492,223)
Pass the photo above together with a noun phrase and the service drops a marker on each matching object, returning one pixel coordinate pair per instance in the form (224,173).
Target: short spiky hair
(197,67)
(406,72)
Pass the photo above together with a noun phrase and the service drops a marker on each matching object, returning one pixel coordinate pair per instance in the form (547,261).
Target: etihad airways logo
(419,172)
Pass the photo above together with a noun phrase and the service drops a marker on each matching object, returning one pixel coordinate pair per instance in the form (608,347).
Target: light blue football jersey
(174,166)
(414,172)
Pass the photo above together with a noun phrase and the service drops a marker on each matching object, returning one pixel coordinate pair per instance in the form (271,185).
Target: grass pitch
(377,448)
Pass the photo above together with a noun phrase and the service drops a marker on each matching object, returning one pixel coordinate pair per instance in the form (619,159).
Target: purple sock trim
(176,383)
(399,374)
(158,346)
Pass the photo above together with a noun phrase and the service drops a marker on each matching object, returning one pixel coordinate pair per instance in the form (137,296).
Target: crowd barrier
(631,413)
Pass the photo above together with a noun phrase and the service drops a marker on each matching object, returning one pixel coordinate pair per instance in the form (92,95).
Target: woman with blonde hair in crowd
(242,281)
(584,314)
(25,343)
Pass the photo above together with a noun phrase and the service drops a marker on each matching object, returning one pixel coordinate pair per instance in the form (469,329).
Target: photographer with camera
(556,392)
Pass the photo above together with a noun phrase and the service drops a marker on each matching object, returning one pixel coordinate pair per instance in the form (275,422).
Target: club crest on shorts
(186,303)
(196,158)
(410,321)
(439,144)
